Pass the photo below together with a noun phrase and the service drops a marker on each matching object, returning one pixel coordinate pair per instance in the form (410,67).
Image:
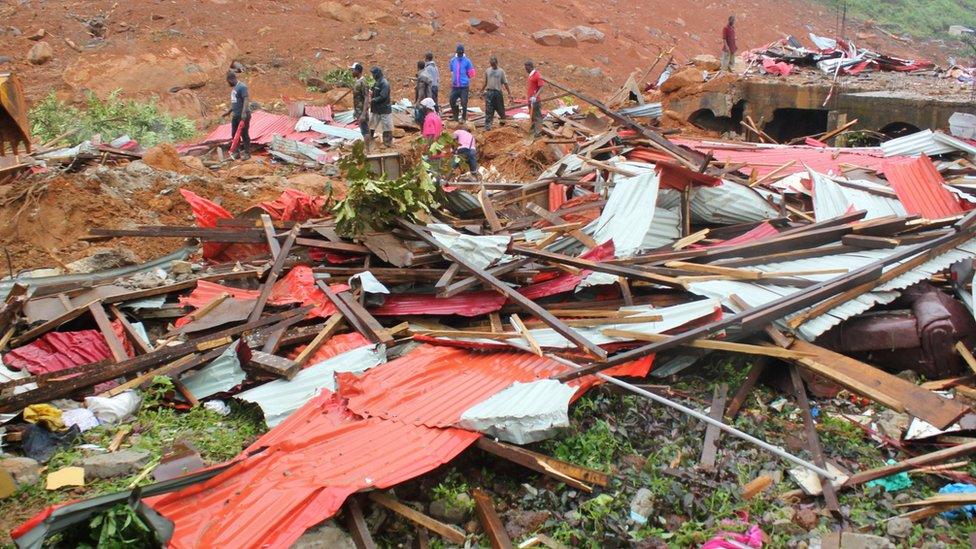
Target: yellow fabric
(46,415)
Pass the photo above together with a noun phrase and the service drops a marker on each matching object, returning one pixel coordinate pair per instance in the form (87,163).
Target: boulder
(364,36)
(681,79)
(40,53)
(899,527)
(483,25)
(103,259)
(554,37)
(706,62)
(326,536)
(114,464)
(583,33)
(23,470)
(446,511)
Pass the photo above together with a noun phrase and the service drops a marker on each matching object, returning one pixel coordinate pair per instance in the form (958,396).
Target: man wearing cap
(435,77)
(533,87)
(462,71)
(360,92)
(492,92)
(240,111)
(381,110)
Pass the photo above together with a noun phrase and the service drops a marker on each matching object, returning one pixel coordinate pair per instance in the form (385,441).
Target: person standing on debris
(462,71)
(380,108)
(422,90)
(466,149)
(728,45)
(533,87)
(435,78)
(431,130)
(240,111)
(492,92)
(360,92)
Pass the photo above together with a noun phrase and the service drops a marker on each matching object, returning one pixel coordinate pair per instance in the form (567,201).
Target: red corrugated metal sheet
(920,187)
(466,304)
(319,112)
(336,345)
(206,213)
(767,159)
(679,177)
(56,351)
(567,282)
(557,196)
(264,125)
(298,286)
(310,464)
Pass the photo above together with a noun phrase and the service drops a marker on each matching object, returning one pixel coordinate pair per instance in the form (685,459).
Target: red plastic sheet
(920,187)
(55,351)
(294,205)
(207,213)
(779,68)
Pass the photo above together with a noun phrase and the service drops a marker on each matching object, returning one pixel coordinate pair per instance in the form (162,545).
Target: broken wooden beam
(712,433)
(446,531)
(813,440)
(275,365)
(490,521)
(573,475)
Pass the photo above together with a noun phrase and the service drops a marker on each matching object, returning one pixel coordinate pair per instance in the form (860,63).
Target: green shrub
(113,117)
(931,18)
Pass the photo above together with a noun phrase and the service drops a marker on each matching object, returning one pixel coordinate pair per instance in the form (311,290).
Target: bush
(113,117)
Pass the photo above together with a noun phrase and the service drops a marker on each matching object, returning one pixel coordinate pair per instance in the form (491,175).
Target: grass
(928,19)
(111,118)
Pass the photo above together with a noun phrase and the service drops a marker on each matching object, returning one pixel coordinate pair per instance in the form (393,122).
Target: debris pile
(830,55)
(379,353)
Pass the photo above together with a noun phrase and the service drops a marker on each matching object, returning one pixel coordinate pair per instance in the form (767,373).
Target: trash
(966,511)
(67,476)
(44,415)
(113,409)
(39,443)
(82,417)
(218,406)
(893,483)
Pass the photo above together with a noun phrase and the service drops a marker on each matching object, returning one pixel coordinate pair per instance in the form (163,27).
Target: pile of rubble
(830,55)
(376,359)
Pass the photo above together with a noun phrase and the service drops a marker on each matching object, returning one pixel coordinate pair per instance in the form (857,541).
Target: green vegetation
(330,79)
(454,491)
(119,527)
(929,19)
(111,118)
(374,202)
(594,447)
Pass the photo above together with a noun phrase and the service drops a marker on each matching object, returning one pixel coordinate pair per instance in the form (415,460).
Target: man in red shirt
(533,87)
(728,45)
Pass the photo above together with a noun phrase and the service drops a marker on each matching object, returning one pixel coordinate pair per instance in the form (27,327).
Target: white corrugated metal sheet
(223,374)
(665,229)
(627,216)
(480,251)
(279,398)
(831,199)
(522,413)
(652,110)
(730,203)
(925,142)
(573,163)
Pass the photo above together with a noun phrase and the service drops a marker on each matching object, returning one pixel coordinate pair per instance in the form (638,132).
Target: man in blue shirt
(240,111)
(462,71)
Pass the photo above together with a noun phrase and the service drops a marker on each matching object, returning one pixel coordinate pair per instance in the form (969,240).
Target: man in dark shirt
(360,93)
(728,45)
(422,90)
(435,78)
(381,110)
(491,90)
(240,111)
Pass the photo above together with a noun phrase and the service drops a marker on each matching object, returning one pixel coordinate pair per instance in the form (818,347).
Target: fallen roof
(768,158)
(920,187)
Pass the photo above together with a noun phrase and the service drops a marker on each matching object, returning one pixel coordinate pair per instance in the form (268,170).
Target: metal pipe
(779,452)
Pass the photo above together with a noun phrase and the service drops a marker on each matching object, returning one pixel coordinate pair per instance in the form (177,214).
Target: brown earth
(152,48)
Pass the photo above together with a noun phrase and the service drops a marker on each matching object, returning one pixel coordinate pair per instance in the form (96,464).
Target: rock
(355,12)
(40,53)
(364,36)
(554,37)
(582,33)
(706,62)
(325,536)
(642,505)
(687,77)
(519,524)
(37,35)
(103,259)
(483,25)
(165,157)
(114,464)
(899,527)
(807,519)
(23,470)
(335,11)
(445,511)
(908,375)
(893,424)
(194,163)
(854,540)
(934,545)
(183,103)
(4,59)
(181,267)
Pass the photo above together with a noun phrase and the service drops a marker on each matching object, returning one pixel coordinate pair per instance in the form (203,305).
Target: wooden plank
(472,281)
(739,398)
(743,274)
(716,411)
(494,318)
(331,325)
(870,242)
(468,333)
(46,327)
(277,366)
(273,342)
(966,355)
(356,315)
(524,332)
(447,277)
(344,247)
(813,441)
(554,219)
(625,292)
(142,346)
(488,207)
(12,305)
(269,235)
(620,270)
(931,458)
(573,475)
(198,314)
(276,269)
(897,392)
(490,521)
(105,327)
(446,531)
(356,523)
(525,303)
(711,344)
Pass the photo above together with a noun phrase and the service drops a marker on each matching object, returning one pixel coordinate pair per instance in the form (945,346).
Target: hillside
(178,51)
(930,18)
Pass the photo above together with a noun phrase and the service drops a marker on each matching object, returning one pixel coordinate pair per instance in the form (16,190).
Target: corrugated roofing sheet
(310,464)
(523,412)
(921,188)
(481,251)
(652,110)
(55,351)
(766,158)
(628,213)
(223,374)
(833,200)
(336,345)
(280,398)
(464,304)
(730,203)
(927,143)
(263,126)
